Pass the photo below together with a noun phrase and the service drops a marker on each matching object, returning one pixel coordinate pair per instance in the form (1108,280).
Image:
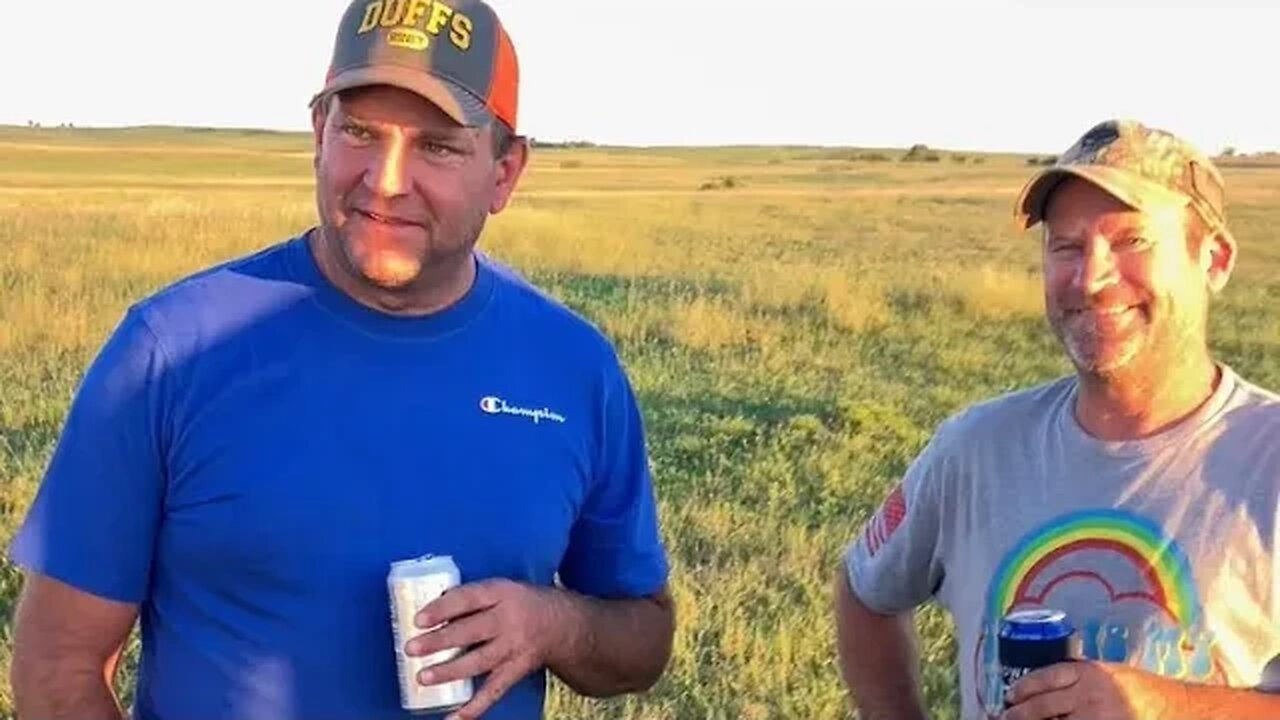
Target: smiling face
(402,189)
(1124,289)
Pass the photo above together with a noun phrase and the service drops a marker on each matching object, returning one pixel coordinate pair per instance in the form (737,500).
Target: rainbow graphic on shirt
(1128,589)
(1159,560)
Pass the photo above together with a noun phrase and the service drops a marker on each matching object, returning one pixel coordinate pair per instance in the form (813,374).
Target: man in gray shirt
(1139,495)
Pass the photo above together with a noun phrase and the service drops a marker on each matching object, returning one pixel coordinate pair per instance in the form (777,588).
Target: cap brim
(1133,190)
(459,104)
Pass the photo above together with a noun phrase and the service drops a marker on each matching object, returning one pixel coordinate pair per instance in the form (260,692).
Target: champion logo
(494,405)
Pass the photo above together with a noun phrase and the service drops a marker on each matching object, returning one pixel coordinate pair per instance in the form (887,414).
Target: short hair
(503,138)
(1198,231)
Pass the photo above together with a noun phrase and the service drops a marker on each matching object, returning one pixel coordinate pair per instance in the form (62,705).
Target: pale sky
(1028,77)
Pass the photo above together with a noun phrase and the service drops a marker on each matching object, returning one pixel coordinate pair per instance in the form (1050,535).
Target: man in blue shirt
(255,444)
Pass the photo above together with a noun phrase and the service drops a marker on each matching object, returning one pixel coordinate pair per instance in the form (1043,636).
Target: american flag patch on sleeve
(886,519)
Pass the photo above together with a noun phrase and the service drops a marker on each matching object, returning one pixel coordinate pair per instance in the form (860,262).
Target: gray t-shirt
(1162,551)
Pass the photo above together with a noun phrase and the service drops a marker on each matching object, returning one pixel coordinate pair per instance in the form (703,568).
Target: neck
(1139,405)
(440,284)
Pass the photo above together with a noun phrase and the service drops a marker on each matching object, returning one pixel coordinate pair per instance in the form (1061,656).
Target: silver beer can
(412,584)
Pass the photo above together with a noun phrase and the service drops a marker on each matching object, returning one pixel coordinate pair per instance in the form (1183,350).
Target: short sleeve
(93,521)
(1270,682)
(615,548)
(894,564)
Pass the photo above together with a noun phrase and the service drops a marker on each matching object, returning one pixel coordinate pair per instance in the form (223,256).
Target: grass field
(796,322)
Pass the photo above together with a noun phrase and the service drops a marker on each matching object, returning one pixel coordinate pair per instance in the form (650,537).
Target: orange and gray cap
(457,55)
(1140,166)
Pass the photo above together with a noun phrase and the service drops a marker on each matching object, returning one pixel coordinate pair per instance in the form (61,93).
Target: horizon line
(583,143)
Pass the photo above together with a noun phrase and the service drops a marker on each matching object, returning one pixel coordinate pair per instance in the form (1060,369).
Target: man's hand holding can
(509,630)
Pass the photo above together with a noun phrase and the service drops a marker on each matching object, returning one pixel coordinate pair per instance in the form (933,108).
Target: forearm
(66,647)
(63,689)
(610,647)
(1211,702)
(879,661)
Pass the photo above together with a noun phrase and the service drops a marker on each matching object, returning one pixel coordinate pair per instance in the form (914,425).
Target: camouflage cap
(1138,165)
(456,55)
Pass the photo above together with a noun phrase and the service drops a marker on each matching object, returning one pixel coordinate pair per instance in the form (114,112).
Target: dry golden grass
(854,303)
(794,339)
(999,293)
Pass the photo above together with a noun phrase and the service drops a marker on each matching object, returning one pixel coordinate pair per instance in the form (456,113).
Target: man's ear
(1218,259)
(319,116)
(510,167)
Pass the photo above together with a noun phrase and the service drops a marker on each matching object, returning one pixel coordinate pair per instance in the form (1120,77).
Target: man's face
(1123,291)
(401,186)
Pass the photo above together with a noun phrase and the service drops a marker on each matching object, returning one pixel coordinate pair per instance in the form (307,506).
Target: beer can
(1032,639)
(412,584)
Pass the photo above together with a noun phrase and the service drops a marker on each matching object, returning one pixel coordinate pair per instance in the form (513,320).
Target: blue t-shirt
(251,449)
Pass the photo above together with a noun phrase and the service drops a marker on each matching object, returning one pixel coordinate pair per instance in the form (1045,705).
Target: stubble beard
(1093,354)
(1142,354)
(389,271)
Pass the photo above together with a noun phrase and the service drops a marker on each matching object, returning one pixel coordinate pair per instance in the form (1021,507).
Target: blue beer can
(1032,639)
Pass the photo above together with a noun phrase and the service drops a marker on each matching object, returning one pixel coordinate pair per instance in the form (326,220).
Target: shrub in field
(724,182)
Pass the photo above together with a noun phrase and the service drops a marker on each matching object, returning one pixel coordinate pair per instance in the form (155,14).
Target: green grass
(793,339)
